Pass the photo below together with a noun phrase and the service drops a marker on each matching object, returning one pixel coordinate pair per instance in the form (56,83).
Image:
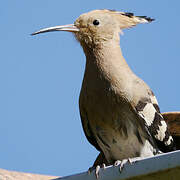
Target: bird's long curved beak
(68,27)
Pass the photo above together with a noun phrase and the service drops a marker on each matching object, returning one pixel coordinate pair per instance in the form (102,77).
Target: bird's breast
(105,108)
(112,121)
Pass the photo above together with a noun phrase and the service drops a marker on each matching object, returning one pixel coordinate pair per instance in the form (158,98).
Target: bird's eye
(96,22)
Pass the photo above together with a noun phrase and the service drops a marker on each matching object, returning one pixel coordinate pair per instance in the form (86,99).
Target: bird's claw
(97,170)
(122,163)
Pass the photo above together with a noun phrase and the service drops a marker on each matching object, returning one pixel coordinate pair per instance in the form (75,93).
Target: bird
(119,112)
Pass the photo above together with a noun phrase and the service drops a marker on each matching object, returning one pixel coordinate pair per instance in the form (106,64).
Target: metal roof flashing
(161,167)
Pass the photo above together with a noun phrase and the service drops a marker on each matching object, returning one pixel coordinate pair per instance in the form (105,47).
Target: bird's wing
(148,110)
(87,129)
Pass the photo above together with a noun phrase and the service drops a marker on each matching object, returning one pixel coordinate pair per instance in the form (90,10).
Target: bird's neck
(106,62)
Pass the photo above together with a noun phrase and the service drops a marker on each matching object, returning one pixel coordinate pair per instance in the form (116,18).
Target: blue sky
(41,77)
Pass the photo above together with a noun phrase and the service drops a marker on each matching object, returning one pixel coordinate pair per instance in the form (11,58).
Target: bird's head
(99,26)
(96,27)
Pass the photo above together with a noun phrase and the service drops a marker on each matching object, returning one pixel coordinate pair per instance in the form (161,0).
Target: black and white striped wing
(148,109)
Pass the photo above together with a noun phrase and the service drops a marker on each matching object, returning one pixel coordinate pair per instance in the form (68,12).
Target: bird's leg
(124,161)
(97,169)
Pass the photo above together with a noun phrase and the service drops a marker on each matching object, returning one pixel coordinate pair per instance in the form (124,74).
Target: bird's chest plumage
(112,123)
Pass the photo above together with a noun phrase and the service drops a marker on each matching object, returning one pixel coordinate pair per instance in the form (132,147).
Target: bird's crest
(127,19)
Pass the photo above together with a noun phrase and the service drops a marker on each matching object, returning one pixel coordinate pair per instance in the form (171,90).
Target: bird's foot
(124,161)
(97,170)
(121,163)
